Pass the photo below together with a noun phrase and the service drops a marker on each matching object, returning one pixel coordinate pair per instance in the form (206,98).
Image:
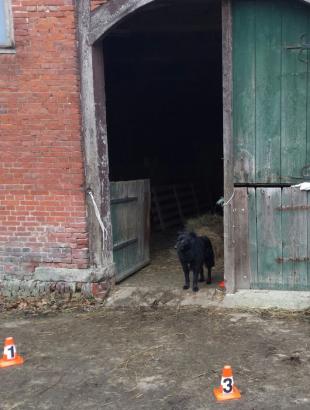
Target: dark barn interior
(163,71)
(163,79)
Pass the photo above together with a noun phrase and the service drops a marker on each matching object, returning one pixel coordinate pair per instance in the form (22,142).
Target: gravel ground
(156,358)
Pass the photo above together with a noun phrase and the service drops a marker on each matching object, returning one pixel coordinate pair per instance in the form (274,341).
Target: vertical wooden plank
(113,195)
(268,91)
(143,188)
(121,233)
(252,236)
(140,218)
(308,241)
(134,220)
(241,234)
(102,144)
(307,55)
(294,91)
(229,268)
(244,90)
(89,131)
(288,247)
(269,238)
(147,220)
(294,231)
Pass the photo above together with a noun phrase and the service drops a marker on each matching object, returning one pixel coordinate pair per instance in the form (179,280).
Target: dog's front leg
(186,275)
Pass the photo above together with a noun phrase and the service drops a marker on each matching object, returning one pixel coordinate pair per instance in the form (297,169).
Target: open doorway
(163,85)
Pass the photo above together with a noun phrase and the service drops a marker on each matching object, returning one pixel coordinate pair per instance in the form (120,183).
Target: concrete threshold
(131,296)
(268,299)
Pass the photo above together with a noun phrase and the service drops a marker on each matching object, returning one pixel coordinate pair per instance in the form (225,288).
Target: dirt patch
(37,306)
(156,359)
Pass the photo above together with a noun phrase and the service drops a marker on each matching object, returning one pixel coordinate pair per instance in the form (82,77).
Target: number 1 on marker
(10,352)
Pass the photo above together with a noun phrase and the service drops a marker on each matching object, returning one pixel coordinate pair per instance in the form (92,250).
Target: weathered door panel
(252,236)
(244,91)
(268,47)
(270,90)
(269,238)
(294,262)
(295,22)
(278,238)
(241,238)
(130,214)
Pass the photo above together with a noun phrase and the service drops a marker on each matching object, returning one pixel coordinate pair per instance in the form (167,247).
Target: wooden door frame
(92,25)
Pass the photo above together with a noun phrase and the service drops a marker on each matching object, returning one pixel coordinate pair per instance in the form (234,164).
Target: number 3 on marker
(227,384)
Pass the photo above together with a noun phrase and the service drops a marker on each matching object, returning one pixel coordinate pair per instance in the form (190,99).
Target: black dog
(194,251)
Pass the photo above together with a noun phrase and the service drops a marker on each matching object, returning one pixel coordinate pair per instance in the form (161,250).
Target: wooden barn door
(279,240)
(271,139)
(130,214)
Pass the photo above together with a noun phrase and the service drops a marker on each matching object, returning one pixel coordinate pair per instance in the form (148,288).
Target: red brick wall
(42,200)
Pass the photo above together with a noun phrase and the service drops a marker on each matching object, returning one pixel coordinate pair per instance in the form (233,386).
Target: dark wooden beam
(102,146)
(241,237)
(100,251)
(229,242)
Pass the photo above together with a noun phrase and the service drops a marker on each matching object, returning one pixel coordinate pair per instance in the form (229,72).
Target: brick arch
(107,15)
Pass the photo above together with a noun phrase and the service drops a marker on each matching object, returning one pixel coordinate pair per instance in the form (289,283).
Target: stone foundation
(46,282)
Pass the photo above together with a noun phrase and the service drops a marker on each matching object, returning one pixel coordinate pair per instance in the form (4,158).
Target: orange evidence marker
(10,357)
(227,389)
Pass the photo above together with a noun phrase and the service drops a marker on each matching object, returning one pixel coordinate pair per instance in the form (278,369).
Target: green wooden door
(130,214)
(279,247)
(271,117)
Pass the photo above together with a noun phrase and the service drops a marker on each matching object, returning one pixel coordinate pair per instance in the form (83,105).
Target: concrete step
(130,296)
